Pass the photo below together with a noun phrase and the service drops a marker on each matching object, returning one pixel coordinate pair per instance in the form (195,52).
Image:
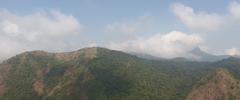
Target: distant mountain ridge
(196,54)
(203,56)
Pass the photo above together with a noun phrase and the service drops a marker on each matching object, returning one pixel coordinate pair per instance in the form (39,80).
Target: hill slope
(219,85)
(98,74)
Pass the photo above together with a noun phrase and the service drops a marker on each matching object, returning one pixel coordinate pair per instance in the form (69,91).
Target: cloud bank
(234,9)
(127,30)
(205,21)
(39,30)
(233,51)
(172,44)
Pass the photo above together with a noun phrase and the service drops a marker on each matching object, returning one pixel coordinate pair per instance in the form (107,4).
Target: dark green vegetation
(102,74)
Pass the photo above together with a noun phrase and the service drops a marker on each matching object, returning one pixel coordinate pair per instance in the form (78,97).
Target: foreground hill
(218,85)
(101,74)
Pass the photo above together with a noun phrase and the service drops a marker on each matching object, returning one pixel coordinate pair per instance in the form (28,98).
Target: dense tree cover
(110,75)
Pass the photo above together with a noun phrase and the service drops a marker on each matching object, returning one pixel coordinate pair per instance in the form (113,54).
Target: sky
(163,28)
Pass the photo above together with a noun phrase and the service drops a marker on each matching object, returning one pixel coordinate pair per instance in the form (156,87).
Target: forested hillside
(102,74)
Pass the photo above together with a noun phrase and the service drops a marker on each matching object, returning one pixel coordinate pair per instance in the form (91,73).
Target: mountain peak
(200,55)
(197,50)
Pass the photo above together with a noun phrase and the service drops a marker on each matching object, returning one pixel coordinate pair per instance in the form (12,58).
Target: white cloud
(173,44)
(128,29)
(234,9)
(122,28)
(233,52)
(196,20)
(52,23)
(205,21)
(9,28)
(44,30)
(8,47)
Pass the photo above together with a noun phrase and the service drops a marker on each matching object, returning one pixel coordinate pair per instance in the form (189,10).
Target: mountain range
(200,55)
(103,74)
(196,54)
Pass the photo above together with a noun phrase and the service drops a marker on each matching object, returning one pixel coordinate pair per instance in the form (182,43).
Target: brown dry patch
(61,56)
(54,89)
(221,86)
(87,76)
(90,53)
(2,86)
(129,65)
(68,56)
(40,53)
(38,84)
(4,71)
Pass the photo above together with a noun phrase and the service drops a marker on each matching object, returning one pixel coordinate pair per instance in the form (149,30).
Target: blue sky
(165,28)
